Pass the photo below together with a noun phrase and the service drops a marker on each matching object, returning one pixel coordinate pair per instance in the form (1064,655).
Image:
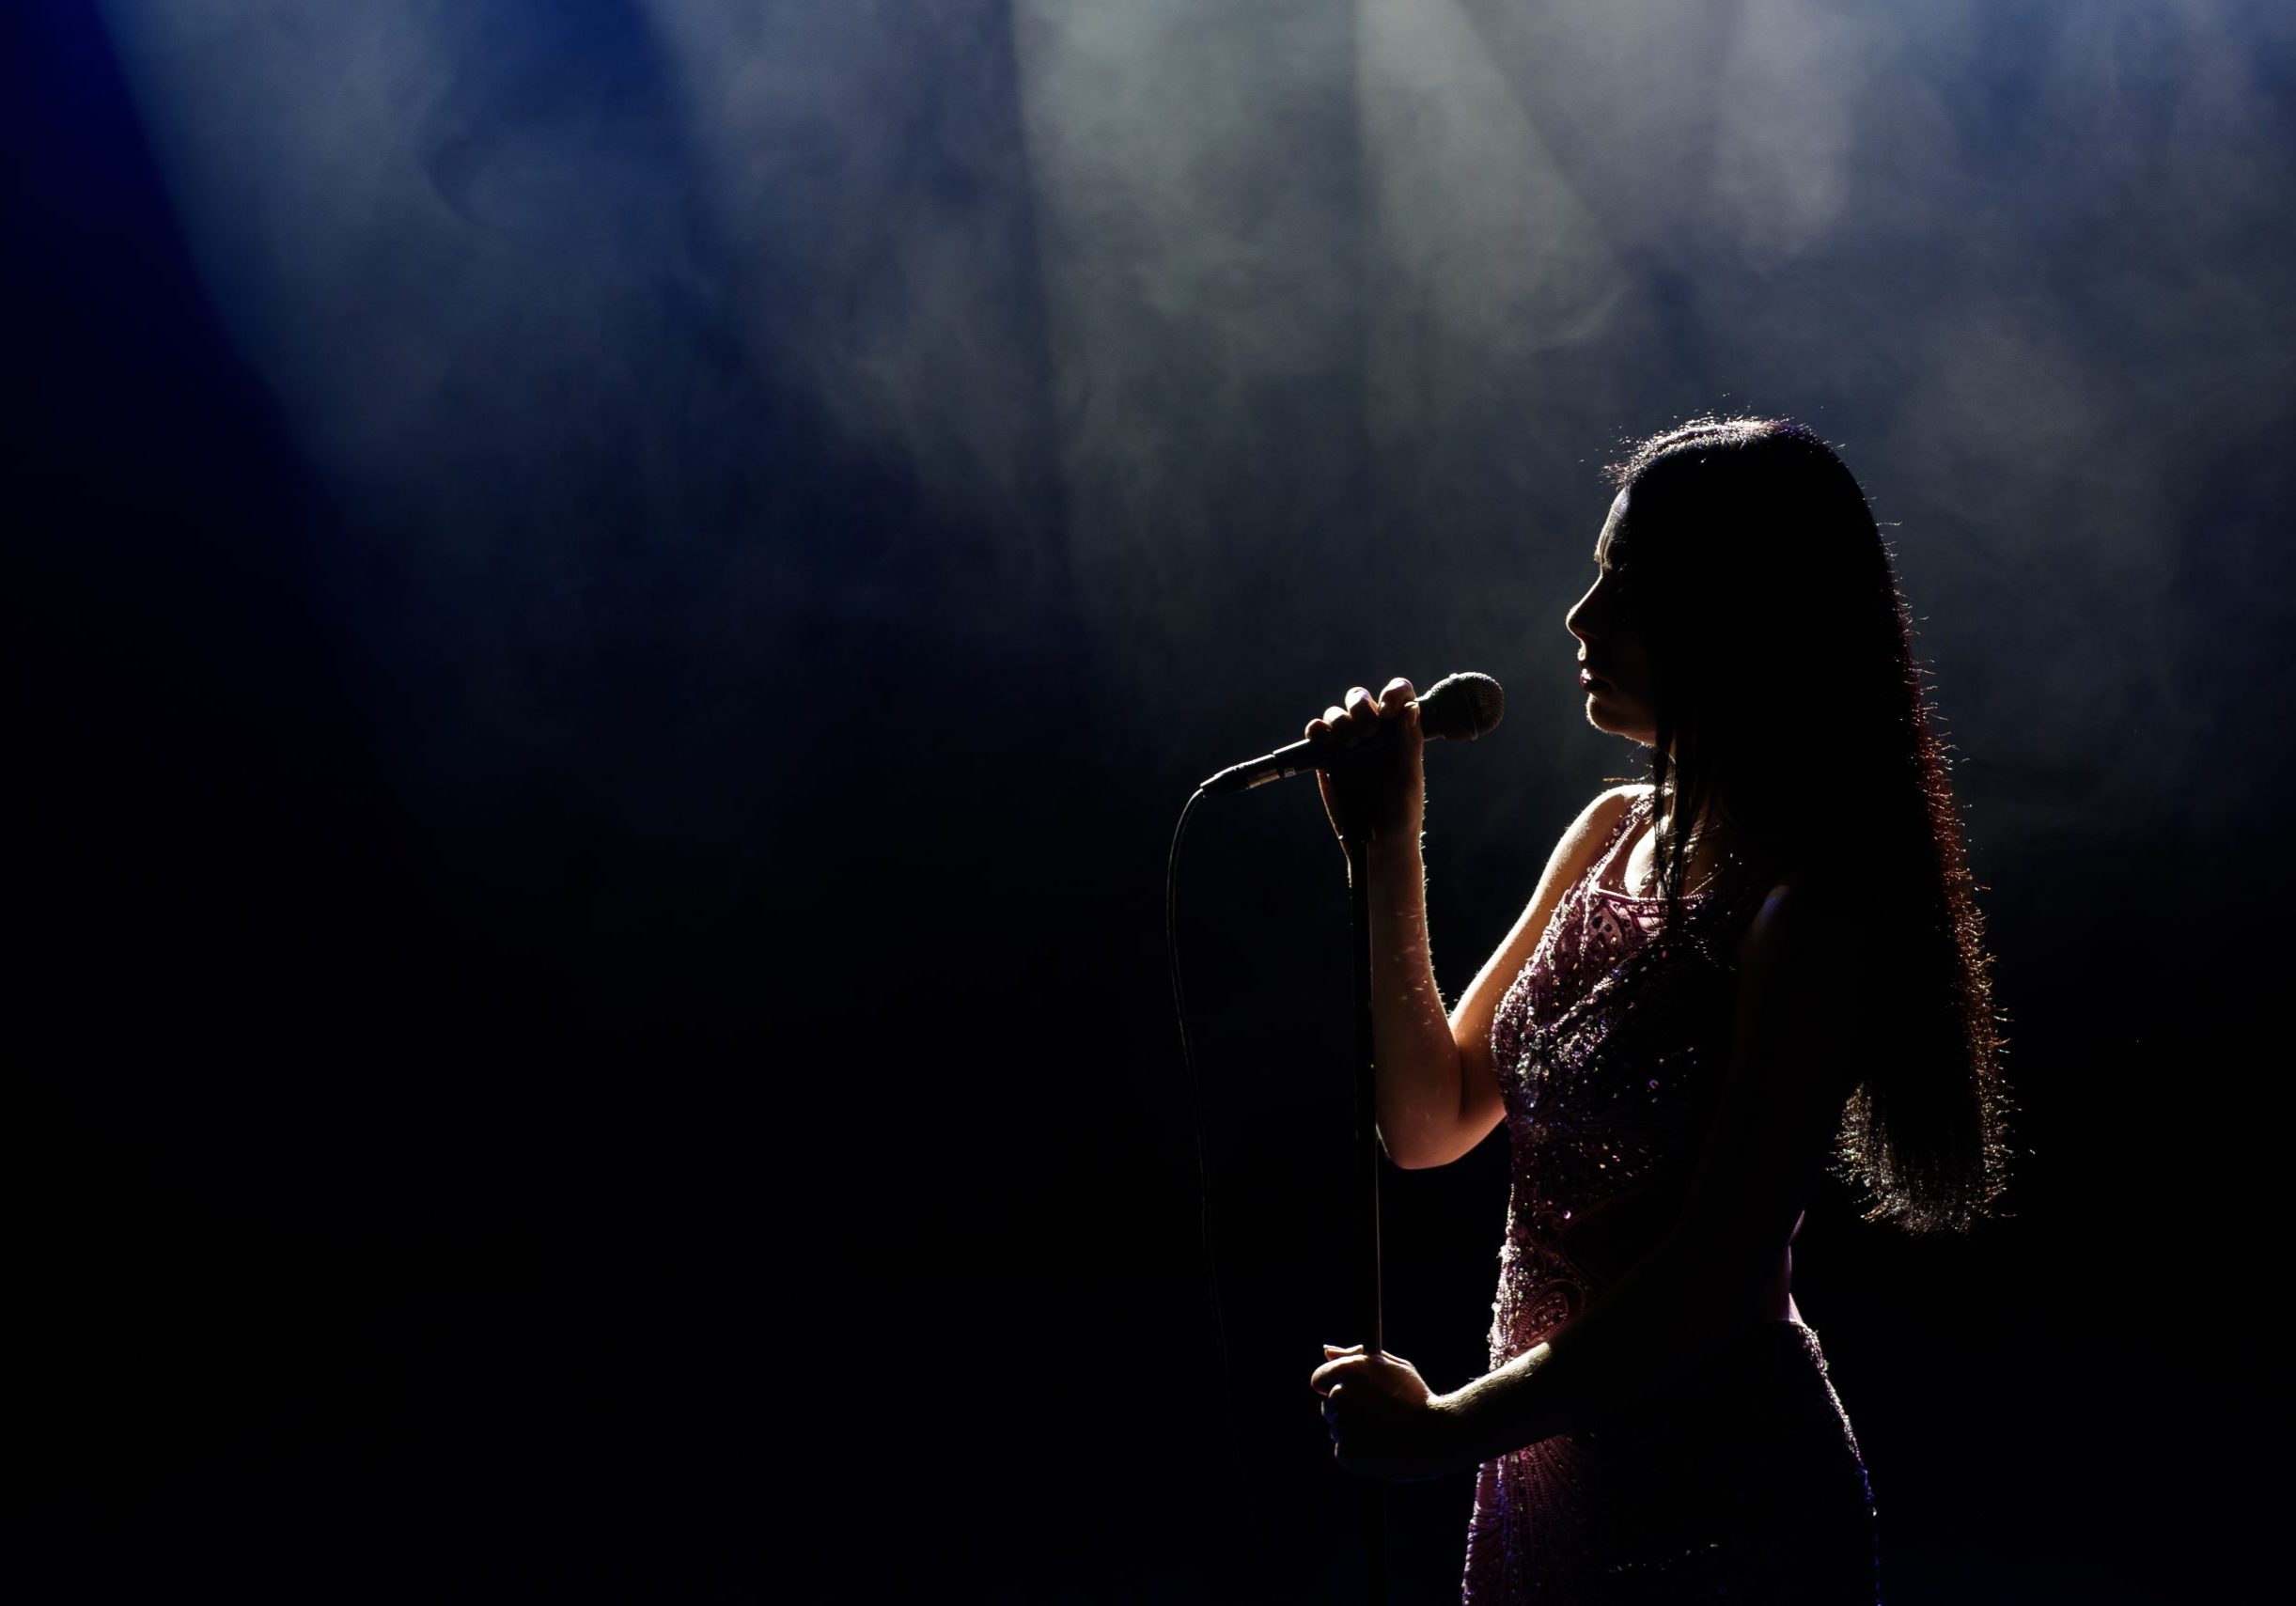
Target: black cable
(1203,1165)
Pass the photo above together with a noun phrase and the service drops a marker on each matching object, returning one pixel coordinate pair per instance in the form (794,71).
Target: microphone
(1458,708)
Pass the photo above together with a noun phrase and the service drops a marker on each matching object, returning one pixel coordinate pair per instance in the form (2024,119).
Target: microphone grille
(1462,707)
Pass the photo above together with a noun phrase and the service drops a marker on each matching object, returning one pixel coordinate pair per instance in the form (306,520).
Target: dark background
(613,609)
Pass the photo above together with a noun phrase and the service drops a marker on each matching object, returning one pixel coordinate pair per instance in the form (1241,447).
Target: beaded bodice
(1610,1046)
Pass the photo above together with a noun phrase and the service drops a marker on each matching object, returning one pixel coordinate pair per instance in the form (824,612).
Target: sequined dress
(1741,1479)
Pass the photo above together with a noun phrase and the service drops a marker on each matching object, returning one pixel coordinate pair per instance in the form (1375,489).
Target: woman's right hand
(1383,794)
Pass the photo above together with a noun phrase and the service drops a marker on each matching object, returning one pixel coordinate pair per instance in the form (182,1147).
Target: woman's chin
(1603,720)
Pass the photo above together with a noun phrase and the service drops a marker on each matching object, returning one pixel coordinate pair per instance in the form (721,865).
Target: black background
(546,1199)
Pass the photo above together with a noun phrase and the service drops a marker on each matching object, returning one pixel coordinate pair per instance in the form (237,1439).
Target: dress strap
(1627,820)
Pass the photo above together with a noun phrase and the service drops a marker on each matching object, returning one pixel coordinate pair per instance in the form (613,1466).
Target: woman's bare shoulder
(1583,838)
(1613,801)
(1610,806)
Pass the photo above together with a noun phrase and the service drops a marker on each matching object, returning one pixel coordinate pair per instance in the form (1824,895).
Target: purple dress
(1740,1479)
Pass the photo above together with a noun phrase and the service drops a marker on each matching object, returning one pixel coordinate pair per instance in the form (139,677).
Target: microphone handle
(1459,707)
(1282,764)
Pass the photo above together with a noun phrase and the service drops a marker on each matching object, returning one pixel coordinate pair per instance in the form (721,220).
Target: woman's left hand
(1383,1420)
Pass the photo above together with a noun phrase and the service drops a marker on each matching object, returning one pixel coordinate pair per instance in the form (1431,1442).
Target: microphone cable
(1203,1164)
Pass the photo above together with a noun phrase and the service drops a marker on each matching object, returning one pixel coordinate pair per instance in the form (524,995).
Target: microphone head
(1461,707)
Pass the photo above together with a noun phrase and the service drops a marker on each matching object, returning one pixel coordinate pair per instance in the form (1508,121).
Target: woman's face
(1620,700)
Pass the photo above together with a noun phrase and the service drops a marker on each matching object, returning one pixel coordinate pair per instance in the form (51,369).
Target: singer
(1763,965)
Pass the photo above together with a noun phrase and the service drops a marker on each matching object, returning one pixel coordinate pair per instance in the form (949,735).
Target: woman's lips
(1589,679)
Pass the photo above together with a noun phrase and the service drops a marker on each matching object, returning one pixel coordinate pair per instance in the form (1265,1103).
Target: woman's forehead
(1613,530)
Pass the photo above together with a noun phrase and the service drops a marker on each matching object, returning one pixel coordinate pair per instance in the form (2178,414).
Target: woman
(1763,964)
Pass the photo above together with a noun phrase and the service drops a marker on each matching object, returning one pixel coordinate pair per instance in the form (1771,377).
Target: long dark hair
(1792,706)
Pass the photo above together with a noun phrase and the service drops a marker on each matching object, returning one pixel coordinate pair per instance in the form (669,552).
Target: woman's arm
(1415,1061)
(1790,1072)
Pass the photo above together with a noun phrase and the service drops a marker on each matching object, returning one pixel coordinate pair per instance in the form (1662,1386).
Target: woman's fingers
(1351,720)
(1353,723)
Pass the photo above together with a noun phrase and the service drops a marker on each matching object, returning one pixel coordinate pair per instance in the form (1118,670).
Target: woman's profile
(1763,964)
